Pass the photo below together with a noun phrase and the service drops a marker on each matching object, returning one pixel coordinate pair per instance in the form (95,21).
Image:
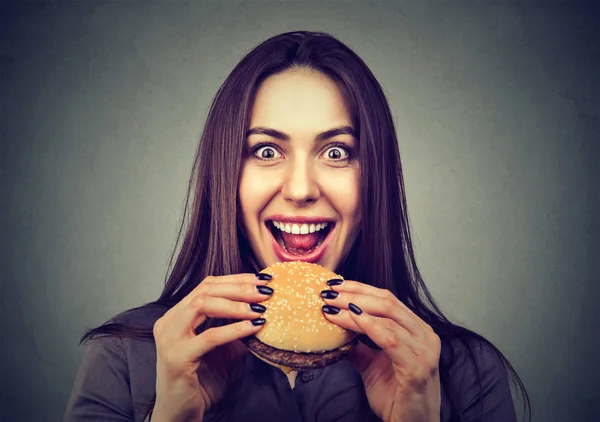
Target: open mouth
(304,242)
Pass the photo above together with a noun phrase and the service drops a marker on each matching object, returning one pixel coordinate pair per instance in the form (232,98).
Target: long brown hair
(212,242)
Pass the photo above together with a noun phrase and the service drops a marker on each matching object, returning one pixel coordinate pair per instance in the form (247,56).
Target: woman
(304,128)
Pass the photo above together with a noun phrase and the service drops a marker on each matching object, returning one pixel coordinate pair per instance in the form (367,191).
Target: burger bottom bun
(289,360)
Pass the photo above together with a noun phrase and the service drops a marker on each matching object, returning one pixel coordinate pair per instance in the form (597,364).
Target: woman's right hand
(194,370)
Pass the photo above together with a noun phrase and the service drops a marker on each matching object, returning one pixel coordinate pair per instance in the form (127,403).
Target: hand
(402,380)
(194,370)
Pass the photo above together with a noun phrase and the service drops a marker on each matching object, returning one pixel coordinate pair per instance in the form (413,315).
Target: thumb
(237,350)
(360,356)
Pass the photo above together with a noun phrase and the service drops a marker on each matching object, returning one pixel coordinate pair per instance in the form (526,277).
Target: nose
(300,185)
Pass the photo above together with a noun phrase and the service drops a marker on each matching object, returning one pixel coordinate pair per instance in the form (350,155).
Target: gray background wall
(496,107)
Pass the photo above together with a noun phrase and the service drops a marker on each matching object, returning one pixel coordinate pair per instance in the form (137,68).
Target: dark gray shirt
(117,379)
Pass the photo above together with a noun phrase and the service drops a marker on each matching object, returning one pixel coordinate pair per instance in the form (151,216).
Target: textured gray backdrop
(496,106)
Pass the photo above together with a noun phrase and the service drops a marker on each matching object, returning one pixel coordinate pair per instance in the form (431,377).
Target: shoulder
(477,373)
(135,324)
(101,385)
(471,354)
(136,337)
(116,376)
(123,339)
(472,360)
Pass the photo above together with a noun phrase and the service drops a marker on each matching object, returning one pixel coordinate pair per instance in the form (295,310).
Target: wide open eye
(337,152)
(265,152)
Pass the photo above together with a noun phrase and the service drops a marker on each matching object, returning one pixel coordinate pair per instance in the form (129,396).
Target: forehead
(298,101)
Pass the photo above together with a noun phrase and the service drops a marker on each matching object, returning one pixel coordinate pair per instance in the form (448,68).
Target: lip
(312,257)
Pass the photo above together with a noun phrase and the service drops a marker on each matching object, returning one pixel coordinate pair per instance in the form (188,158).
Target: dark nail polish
(331,310)
(258,321)
(354,308)
(329,294)
(263,276)
(257,307)
(264,290)
(335,282)
(363,338)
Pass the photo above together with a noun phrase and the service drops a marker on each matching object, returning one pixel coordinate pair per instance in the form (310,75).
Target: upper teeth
(299,228)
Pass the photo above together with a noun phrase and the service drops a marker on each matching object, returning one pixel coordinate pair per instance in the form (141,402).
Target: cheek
(255,190)
(344,191)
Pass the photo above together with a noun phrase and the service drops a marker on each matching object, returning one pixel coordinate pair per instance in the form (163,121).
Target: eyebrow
(321,136)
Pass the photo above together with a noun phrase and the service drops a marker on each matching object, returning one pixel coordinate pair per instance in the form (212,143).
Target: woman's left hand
(402,380)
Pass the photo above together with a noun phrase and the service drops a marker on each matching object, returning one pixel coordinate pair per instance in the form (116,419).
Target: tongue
(300,244)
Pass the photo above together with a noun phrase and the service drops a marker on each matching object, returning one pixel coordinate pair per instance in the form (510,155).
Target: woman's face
(299,185)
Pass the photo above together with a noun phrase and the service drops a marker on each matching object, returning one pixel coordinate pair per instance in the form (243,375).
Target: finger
(360,356)
(387,306)
(216,307)
(352,286)
(214,337)
(244,278)
(396,341)
(363,338)
(356,287)
(246,292)
(232,352)
(189,314)
(342,318)
(261,278)
(416,360)
(238,350)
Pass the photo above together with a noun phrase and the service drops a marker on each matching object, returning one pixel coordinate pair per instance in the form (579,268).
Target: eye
(265,152)
(337,152)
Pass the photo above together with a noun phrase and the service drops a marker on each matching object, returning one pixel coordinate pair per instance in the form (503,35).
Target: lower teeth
(321,239)
(282,244)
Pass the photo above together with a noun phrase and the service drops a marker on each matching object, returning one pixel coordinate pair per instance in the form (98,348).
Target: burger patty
(296,360)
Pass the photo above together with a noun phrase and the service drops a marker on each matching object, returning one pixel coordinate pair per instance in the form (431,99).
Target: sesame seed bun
(297,335)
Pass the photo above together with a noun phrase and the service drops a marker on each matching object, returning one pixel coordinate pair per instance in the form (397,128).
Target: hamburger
(296,335)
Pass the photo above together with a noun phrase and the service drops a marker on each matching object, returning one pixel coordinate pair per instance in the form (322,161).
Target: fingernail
(331,310)
(263,276)
(354,308)
(265,290)
(258,321)
(329,294)
(335,282)
(368,342)
(257,307)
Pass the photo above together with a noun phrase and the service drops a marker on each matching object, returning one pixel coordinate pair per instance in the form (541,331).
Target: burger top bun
(295,321)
